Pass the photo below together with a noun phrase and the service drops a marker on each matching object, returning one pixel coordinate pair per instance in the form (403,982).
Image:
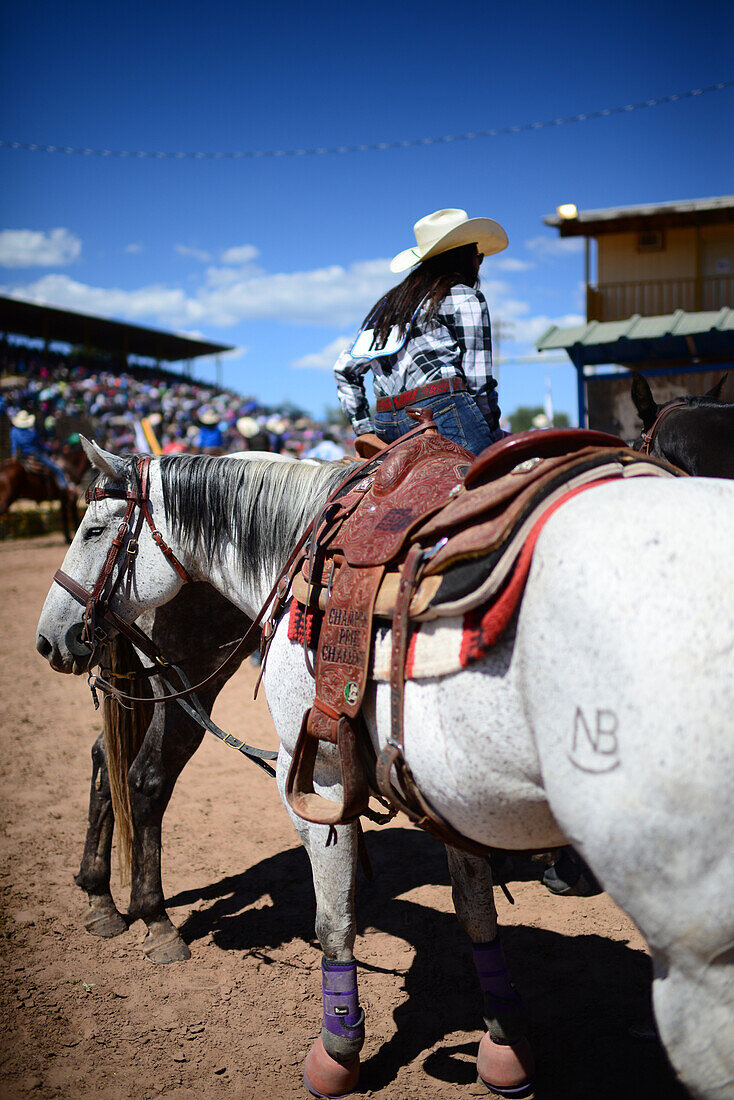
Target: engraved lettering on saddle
(434,533)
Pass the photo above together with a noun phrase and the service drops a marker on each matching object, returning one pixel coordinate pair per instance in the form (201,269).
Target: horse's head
(115,561)
(694,432)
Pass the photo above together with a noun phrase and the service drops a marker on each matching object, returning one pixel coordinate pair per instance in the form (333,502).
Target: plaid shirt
(458,342)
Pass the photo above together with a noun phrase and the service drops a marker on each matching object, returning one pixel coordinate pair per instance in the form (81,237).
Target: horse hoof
(506,1069)
(165,949)
(102,919)
(324,1076)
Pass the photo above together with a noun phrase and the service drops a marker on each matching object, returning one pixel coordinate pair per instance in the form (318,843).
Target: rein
(649,436)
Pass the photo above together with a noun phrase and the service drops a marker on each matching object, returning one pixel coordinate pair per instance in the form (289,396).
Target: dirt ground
(85,1017)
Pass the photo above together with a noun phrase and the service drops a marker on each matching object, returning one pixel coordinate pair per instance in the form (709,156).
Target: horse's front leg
(332,1066)
(103,918)
(505,1059)
(172,739)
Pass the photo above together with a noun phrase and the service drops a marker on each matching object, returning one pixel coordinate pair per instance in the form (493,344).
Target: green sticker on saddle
(351,692)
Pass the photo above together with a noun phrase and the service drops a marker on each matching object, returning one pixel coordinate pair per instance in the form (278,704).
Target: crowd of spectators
(70,394)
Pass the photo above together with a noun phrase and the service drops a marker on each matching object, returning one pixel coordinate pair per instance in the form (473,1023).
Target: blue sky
(282,257)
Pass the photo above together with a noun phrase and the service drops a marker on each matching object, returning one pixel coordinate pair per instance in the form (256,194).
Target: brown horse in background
(29,480)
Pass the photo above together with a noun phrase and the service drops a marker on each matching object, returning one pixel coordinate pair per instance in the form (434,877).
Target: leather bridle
(98,613)
(123,550)
(648,437)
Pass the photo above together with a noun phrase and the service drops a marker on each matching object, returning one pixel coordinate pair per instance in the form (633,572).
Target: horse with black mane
(693,432)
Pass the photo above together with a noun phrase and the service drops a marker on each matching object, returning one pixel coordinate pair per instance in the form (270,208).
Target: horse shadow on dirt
(582,993)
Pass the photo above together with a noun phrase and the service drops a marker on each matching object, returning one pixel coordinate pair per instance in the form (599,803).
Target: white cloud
(240,254)
(325,296)
(332,296)
(168,304)
(509,263)
(135,247)
(195,253)
(324,359)
(237,256)
(33,248)
(527,330)
(547,247)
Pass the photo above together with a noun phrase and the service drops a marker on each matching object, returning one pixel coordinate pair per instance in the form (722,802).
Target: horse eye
(93,532)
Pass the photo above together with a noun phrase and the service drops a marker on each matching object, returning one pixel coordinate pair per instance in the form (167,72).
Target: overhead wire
(367,146)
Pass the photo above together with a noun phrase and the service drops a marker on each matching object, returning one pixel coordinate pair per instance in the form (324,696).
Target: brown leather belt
(420,393)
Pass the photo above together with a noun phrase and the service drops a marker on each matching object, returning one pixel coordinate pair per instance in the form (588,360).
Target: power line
(371,147)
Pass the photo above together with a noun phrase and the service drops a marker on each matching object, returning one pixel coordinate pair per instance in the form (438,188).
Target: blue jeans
(457,417)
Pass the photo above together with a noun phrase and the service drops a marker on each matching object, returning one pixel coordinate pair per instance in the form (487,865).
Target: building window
(652,240)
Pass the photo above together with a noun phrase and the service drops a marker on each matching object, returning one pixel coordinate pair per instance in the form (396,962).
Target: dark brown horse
(138,757)
(693,432)
(30,480)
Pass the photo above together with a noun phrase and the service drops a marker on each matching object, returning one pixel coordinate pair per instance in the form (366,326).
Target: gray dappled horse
(602,717)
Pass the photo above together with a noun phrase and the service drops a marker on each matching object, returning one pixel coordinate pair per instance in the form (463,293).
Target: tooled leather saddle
(430,530)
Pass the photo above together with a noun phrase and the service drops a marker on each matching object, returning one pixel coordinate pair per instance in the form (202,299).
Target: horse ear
(643,399)
(715,391)
(104,461)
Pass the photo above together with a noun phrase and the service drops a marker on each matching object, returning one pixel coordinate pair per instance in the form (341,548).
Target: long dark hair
(431,280)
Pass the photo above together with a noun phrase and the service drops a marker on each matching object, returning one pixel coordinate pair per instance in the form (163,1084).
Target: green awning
(669,337)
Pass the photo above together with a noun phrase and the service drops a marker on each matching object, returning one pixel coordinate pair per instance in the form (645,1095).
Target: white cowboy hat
(247,426)
(446,229)
(23,419)
(209,416)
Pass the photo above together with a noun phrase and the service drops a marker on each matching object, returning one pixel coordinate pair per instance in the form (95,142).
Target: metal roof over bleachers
(21,318)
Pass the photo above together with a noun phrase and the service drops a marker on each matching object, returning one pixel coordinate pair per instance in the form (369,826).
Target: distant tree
(522,419)
(334,414)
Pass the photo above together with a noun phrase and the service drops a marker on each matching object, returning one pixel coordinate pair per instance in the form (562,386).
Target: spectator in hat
(327,449)
(254,438)
(209,437)
(276,428)
(428,340)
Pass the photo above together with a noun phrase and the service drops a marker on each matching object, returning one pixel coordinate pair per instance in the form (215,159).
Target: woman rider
(428,340)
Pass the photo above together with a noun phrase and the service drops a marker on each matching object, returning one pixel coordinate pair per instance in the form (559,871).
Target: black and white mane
(212,501)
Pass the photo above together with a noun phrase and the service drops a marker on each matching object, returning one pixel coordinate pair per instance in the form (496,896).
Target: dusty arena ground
(85,1017)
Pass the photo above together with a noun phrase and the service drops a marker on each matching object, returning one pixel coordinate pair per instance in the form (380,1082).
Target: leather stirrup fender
(299,788)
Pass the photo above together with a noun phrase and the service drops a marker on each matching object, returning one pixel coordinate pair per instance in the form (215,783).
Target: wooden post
(697,295)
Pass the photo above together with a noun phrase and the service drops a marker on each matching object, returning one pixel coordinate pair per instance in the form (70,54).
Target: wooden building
(659,298)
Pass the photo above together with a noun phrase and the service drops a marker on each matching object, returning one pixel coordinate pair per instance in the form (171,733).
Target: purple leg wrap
(342,1014)
(494,981)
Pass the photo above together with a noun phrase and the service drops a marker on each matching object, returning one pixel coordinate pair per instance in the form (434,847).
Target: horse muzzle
(75,655)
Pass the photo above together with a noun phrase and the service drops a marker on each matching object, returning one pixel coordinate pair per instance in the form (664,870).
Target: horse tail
(125,726)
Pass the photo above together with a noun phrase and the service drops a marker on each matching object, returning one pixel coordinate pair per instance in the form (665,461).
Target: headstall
(98,613)
(122,552)
(649,436)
